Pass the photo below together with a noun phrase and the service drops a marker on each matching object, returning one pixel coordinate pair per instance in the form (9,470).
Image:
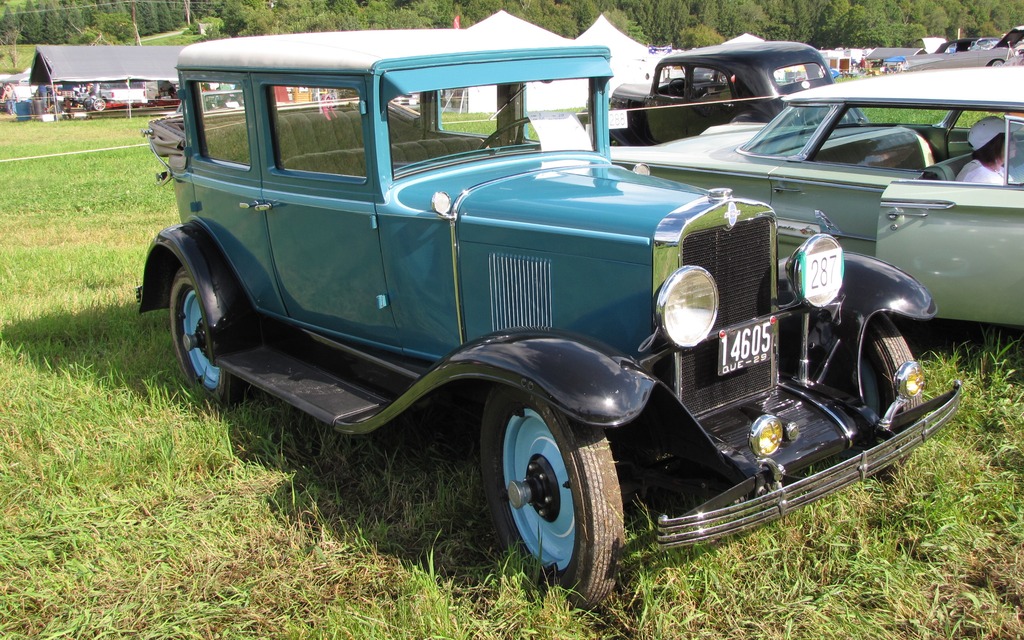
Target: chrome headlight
(816,269)
(687,305)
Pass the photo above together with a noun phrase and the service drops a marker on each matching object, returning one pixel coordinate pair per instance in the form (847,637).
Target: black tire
(99,104)
(579,509)
(188,334)
(885,350)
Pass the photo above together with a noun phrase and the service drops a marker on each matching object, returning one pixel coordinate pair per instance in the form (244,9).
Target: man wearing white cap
(986,139)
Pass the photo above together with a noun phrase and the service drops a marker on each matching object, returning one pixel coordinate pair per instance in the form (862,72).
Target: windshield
(788,133)
(456,125)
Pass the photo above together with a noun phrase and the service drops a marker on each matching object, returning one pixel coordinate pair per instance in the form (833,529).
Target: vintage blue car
(374,220)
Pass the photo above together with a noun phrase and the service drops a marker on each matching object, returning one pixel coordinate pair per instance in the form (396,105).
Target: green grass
(131,507)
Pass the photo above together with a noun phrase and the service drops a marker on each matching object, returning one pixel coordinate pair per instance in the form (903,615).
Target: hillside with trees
(681,23)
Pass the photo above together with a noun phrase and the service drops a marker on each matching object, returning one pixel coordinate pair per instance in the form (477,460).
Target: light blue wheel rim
(552,542)
(207,374)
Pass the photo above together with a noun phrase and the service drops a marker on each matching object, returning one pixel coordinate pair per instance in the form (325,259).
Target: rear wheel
(188,333)
(552,491)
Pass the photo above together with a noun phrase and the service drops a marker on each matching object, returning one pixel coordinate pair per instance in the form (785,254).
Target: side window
(710,85)
(672,81)
(222,131)
(317,129)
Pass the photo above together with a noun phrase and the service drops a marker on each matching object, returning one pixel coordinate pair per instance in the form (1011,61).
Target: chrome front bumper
(702,525)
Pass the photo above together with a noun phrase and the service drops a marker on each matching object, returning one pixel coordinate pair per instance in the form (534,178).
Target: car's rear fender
(230,320)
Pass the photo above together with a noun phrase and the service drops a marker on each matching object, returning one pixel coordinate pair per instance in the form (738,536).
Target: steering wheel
(676,87)
(491,139)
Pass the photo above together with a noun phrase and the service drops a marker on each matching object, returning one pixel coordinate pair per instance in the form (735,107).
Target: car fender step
(324,396)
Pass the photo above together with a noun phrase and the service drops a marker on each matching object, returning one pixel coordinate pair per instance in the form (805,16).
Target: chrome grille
(742,262)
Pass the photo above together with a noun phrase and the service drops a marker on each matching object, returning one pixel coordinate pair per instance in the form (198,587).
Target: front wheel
(188,332)
(552,491)
(885,349)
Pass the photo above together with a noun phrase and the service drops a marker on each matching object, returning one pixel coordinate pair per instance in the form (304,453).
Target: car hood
(716,146)
(578,193)
(600,199)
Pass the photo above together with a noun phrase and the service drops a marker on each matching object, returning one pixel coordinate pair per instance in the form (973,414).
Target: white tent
(506,26)
(540,96)
(632,62)
(744,38)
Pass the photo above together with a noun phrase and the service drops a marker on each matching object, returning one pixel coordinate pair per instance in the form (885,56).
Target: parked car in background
(704,87)
(985,43)
(874,162)
(969,52)
(373,221)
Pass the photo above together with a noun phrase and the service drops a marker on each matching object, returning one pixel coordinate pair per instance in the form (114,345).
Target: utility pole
(135,25)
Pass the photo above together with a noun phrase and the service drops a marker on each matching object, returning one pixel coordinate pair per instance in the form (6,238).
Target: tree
(115,28)
(699,36)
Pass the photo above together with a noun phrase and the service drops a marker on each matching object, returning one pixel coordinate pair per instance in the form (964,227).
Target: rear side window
(798,76)
(317,130)
(222,130)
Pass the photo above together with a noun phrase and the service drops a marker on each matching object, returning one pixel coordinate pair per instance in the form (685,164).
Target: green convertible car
(874,162)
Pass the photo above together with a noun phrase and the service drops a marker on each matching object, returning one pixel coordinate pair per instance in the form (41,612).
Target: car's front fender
(586,380)
(870,287)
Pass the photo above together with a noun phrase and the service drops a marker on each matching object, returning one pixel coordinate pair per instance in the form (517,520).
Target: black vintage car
(704,87)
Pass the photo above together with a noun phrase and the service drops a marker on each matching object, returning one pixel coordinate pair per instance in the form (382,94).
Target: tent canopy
(744,38)
(505,25)
(604,32)
(103,64)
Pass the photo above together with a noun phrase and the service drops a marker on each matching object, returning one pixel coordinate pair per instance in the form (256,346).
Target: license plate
(745,345)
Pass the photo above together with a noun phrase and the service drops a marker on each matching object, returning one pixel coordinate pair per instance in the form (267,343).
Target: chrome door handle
(778,189)
(898,213)
(256,205)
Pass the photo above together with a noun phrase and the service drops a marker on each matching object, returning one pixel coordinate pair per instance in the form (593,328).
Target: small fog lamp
(765,435)
(816,269)
(687,305)
(909,380)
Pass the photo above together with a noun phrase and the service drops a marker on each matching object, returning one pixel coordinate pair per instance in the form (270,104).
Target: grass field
(131,507)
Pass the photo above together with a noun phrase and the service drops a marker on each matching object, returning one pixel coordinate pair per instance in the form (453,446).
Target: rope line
(73,153)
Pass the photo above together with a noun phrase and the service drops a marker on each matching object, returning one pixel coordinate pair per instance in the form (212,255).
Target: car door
(666,115)
(224,170)
(811,197)
(321,214)
(711,95)
(837,189)
(963,241)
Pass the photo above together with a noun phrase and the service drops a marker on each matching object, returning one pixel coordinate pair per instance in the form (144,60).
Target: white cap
(983,131)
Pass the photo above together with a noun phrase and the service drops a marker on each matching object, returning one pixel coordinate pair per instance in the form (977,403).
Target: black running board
(314,391)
